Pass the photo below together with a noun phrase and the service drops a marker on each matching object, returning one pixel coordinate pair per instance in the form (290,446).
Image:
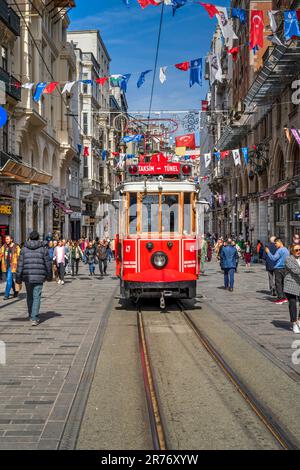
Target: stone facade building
(43,135)
(256,110)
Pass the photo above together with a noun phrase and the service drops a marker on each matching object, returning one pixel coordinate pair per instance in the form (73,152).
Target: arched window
(296,160)
(281,168)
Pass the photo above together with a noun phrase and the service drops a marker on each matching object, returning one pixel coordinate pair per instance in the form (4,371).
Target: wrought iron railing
(12,85)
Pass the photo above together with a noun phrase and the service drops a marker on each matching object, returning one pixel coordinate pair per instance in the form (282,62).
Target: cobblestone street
(45,363)
(250,311)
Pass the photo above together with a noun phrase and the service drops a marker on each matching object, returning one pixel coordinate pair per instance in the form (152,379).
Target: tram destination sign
(159,168)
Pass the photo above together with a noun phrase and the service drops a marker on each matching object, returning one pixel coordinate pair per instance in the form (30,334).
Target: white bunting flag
(226,25)
(29,86)
(273,24)
(68,87)
(207,159)
(236,157)
(215,70)
(162,74)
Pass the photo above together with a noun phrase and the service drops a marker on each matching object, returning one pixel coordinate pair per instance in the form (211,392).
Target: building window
(5,137)
(85,123)
(4,57)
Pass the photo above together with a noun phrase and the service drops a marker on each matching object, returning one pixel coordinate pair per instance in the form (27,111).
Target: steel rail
(157,430)
(273,427)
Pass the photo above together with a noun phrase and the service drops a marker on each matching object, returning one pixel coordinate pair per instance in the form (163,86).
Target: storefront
(6,211)
(75,222)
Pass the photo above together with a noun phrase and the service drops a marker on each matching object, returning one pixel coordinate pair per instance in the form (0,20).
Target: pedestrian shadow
(221,287)
(264,292)
(17,299)
(48,315)
(282,324)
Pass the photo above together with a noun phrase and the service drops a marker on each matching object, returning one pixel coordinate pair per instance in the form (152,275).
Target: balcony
(281,65)
(64,3)
(9,17)
(12,85)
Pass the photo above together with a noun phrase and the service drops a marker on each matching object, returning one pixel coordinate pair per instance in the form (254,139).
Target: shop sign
(75,216)
(5,209)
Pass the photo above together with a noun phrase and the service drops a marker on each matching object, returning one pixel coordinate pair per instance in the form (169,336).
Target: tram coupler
(162,301)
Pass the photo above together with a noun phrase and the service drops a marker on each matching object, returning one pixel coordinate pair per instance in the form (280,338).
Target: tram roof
(158,186)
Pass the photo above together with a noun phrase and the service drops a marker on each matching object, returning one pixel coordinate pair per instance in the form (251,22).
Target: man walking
(270,265)
(10,253)
(34,268)
(279,269)
(228,259)
(102,253)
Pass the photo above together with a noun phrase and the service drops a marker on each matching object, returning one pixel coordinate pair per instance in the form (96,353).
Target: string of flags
(257,23)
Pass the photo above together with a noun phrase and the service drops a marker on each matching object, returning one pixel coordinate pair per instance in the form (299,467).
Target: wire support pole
(156,60)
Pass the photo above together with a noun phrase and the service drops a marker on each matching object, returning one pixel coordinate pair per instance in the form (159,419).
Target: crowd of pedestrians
(282,266)
(39,261)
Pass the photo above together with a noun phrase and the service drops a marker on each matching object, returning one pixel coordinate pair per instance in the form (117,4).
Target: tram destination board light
(133,169)
(186,169)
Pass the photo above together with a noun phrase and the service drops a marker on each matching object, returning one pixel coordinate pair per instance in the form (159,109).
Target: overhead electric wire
(156,59)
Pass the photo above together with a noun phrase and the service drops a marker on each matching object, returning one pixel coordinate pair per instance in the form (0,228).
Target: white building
(92,62)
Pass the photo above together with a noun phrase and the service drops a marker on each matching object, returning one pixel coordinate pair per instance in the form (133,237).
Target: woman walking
(60,260)
(76,256)
(90,256)
(292,285)
(247,253)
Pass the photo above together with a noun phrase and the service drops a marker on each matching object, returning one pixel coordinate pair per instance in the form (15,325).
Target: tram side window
(187,214)
(150,213)
(170,213)
(132,213)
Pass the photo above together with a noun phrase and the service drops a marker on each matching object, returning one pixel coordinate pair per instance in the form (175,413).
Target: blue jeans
(34,293)
(92,268)
(9,282)
(229,277)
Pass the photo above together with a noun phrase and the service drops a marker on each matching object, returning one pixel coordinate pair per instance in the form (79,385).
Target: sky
(130,35)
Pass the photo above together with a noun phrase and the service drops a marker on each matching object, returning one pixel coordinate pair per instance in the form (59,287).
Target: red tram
(160,226)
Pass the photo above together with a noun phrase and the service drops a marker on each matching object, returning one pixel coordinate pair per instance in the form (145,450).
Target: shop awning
(15,170)
(61,206)
(281,191)
(266,194)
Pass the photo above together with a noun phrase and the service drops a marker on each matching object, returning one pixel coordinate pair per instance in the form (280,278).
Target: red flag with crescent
(187,140)
(256,29)
(183,66)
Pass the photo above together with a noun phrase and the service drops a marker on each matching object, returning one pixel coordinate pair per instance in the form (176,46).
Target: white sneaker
(59,281)
(296,328)
(62,282)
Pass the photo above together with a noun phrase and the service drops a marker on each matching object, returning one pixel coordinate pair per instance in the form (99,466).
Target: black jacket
(34,265)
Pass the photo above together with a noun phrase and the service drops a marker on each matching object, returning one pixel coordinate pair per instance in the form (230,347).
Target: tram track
(159,430)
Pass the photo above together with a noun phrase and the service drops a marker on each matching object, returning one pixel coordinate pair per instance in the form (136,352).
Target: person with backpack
(102,254)
(34,268)
(90,257)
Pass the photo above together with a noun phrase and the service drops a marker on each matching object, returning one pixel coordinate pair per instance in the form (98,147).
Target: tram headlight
(159,260)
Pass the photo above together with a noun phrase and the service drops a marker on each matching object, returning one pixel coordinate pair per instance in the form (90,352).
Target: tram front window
(150,213)
(132,213)
(170,213)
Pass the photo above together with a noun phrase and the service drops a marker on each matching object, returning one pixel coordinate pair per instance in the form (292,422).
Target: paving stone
(44,364)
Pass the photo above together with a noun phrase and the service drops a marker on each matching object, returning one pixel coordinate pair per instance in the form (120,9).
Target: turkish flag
(256,29)
(146,3)
(50,88)
(101,81)
(225,154)
(211,9)
(86,152)
(183,66)
(204,105)
(187,140)
(234,52)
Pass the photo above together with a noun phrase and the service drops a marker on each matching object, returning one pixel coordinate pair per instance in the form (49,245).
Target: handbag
(18,287)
